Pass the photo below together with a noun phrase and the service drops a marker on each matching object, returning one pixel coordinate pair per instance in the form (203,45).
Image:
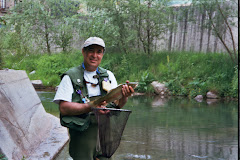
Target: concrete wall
(26,130)
(5,5)
(195,35)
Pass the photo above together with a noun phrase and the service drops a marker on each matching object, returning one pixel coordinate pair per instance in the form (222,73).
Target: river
(172,129)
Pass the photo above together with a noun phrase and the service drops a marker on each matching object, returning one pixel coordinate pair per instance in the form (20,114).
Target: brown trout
(112,95)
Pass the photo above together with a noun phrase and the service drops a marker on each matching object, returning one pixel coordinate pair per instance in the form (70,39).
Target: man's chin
(94,64)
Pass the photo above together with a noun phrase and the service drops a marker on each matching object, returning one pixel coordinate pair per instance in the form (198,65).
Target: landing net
(111,123)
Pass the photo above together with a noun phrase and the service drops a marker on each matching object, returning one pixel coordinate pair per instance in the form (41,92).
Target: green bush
(144,83)
(50,67)
(187,74)
(234,84)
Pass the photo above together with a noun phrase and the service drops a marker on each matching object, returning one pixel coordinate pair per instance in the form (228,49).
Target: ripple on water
(130,156)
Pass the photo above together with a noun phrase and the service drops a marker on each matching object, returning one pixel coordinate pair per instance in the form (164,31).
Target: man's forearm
(122,102)
(73,108)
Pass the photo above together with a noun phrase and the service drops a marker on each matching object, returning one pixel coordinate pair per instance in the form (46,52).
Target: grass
(184,73)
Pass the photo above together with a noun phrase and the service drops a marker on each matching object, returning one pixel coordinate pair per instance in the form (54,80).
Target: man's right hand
(103,105)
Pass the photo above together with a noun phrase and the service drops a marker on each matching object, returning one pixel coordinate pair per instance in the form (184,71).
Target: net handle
(110,109)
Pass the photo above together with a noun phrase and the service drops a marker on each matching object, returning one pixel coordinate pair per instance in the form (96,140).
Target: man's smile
(93,60)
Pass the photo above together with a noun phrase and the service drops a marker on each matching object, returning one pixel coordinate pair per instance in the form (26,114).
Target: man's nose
(94,54)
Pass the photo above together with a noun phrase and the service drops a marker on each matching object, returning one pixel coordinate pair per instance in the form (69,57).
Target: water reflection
(175,128)
(180,129)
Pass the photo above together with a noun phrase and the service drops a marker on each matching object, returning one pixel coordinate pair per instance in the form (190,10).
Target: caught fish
(112,95)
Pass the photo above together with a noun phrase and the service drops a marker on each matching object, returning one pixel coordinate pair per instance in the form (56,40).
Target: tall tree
(221,15)
(39,20)
(133,21)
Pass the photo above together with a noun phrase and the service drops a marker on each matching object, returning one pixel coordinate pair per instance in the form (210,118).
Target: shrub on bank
(185,73)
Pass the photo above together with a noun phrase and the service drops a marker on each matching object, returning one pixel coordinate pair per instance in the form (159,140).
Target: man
(78,85)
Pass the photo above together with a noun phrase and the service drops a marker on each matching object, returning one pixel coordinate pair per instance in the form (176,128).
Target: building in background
(5,5)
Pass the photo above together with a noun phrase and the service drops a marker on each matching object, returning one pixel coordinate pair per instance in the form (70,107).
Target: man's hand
(126,91)
(103,105)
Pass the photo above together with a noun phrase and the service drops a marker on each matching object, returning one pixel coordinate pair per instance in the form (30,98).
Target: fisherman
(77,87)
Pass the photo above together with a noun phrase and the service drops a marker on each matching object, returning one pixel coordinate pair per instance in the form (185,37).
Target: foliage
(145,81)
(221,16)
(130,29)
(2,157)
(40,26)
(53,66)
(187,74)
(235,81)
(129,23)
(128,26)
(48,68)
(64,36)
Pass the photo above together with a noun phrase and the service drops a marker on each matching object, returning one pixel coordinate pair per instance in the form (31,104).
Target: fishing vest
(81,122)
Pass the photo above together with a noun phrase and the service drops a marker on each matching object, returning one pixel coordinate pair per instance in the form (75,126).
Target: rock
(211,95)
(33,72)
(199,98)
(138,94)
(37,84)
(26,130)
(159,88)
(56,88)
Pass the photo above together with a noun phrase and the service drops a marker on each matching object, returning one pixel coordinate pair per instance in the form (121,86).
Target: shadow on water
(174,128)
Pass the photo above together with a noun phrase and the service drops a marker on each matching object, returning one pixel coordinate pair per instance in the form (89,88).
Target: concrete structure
(5,5)
(26,130)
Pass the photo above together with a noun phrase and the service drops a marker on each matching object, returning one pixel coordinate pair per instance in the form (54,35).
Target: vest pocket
(75,122)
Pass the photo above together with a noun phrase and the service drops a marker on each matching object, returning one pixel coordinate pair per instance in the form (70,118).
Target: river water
(172,129)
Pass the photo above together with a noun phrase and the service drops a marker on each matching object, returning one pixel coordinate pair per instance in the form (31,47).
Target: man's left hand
(126,91)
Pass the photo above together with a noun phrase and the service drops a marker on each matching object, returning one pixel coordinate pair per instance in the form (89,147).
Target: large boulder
(26,130)
(159,88)
(199,98)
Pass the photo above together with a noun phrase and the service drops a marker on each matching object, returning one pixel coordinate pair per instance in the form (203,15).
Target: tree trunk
(175,34)
(198,28)
(209,31)
(185,30)
(171,32)
(180,36)
(202,30)
(148,30)
(209,37)
(215,45)
(194,35)
(47,39)
(230,30)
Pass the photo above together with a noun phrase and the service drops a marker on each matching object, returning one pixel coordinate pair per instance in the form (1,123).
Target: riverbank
(183,73)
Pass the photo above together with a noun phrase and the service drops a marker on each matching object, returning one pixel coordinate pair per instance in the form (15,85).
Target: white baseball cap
(94,40)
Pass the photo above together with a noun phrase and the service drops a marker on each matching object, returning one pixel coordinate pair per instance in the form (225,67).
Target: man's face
(92,57)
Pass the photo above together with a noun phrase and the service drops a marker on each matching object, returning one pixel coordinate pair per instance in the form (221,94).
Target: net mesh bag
(111,123)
